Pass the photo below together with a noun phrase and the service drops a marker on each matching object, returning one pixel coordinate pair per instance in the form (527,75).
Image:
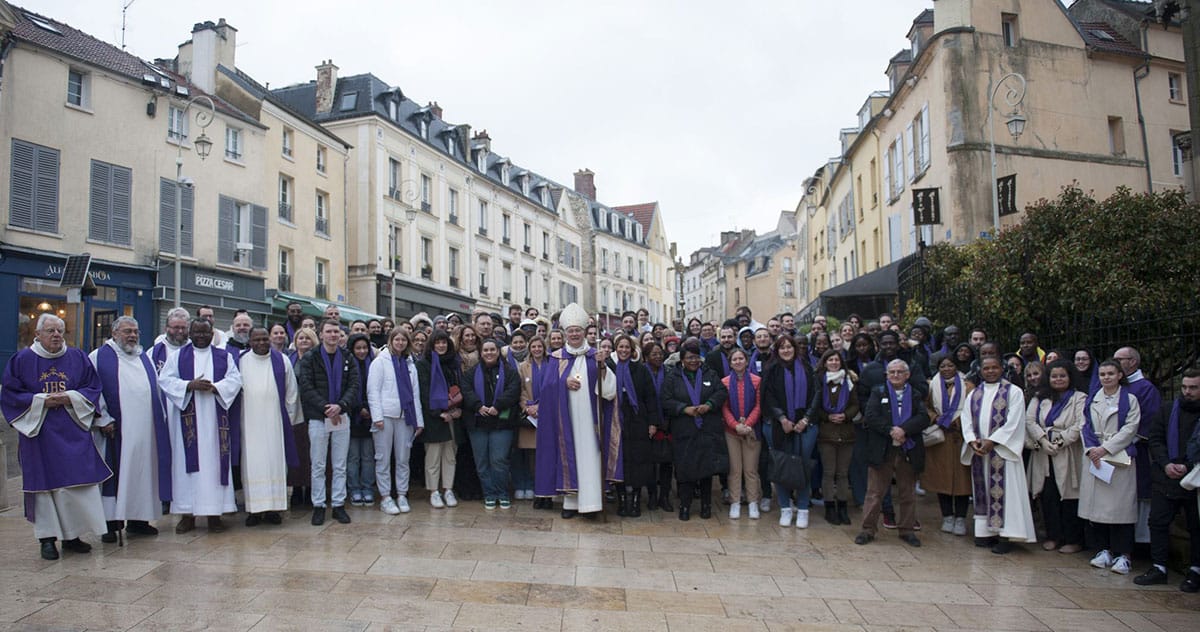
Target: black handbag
(788,470)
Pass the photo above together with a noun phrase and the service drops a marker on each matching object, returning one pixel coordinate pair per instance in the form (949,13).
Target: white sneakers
(388,506)
(785,516)
(801,518)
(754,511)
(764,505)
(451,501)
(402,503)
(960,526)
(1121,565)
(948,524)
(435,499)
(1103,559)
(735,511)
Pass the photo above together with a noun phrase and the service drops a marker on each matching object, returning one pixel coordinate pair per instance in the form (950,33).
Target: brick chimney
(326,86)
(211,45)
(585,183)
(435,109)
(483,140)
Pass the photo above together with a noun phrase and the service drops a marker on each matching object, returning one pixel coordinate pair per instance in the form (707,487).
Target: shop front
(414,298)
(32,278)
(223,290)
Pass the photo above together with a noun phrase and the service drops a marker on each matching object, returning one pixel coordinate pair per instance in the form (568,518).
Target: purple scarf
(108,367)
(795,387)
(405,391)
(226,431)
(950,406)
(535,388)
(657,378)
(843,396)
(333,380)
(693,389)
(625,384)
(1055,409)
(743,399)
(901,410)
(1090,439)
(439,390)
(755,366)
(479,384)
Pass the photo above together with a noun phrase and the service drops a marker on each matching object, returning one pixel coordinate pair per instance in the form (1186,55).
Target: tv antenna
(124,8)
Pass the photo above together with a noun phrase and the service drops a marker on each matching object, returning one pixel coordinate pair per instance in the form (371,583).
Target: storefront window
(39,296)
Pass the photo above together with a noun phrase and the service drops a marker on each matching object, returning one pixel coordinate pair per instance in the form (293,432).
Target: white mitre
(573,316)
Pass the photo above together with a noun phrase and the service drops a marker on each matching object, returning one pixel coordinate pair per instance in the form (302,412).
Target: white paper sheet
(1104,472)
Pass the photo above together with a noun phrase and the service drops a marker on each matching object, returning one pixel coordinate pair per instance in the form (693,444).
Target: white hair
(124,320)
(49,318)
(178,313)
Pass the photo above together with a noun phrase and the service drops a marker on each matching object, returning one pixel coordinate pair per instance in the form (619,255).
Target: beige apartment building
(662,299)
(91,137)
(434,211)
(762,273)
(1084,70)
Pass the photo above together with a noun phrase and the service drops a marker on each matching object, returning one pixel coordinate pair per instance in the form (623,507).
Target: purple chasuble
(108,368)
(62,454)
(229,436)
(289,439)
(555,472)
(987,473)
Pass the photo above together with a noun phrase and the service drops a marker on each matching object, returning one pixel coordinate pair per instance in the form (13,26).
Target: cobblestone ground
(467,568)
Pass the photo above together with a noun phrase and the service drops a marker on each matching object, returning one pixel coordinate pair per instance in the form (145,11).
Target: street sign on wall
(927,208)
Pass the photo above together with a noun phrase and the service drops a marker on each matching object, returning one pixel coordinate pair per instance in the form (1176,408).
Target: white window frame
(452,203)
(1175,87)
(177,125)
(321,158)
(233,143)
(323,209)
(289,137)
(1176,156)
(84,95)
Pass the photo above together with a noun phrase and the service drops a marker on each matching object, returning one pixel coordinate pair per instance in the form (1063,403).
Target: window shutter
(258,235)
(909,147)
(887,173)
(925,136)
(225,237)
(166,215)
(189,200)
(121,190)
(99,210)
(45,216)
(21,187)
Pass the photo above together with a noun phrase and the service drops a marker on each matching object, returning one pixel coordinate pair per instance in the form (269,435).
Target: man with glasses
(175,336)
(50,394)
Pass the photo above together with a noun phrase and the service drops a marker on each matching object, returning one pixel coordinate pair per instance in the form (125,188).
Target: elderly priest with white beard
(132,435)
(49,393)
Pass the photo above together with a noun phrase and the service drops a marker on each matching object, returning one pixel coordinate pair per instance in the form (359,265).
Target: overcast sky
(717,110)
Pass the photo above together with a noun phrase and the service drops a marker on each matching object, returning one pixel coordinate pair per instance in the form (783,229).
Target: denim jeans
(795,444)
(491,448)
(338,442)
(522,468)
(360,466)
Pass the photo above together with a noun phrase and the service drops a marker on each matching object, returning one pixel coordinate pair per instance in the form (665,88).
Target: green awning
(316,307)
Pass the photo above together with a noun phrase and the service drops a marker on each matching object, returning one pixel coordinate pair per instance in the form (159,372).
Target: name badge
(883,401)
(708,383)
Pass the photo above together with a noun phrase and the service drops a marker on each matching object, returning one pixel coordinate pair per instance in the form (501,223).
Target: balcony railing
(482,231)
(454,218)
(483,290)
(285,211)
(527,249)
(453,281)
(284,283)
(507,296)
(427,272)
(323,225)
(427,207)
(322,291)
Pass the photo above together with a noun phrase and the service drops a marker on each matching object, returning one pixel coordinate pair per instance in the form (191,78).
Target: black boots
(635,504)
(622,502)
(831,513)
(685,511)
(664,498)
(843,511)
(651,497)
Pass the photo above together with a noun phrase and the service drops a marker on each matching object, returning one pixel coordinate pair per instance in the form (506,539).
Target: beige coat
(526,434)
(1116,502)
(944,472)
(1068,463)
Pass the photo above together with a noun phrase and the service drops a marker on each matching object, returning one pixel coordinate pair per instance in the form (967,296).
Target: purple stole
(755,365)
(1090,439)
(556,469)
(795,388)
(694,389)
(404,390)
(108,366)
(987,478)
(901,410)
(159,354)
(289,440)
(843,399)
(625,385)
(439,390)
(742,398)
(950,406)
(291,331)
(226,431)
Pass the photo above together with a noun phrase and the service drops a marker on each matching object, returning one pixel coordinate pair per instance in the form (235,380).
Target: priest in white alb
(993,427)
(132,434)
(579,434)
(172,339)
(201,383)
(270,404)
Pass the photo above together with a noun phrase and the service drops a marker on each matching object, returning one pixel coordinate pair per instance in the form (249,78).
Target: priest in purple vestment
(579,445)
(49,394)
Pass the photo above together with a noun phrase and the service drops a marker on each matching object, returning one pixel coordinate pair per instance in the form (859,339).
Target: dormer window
(916,44)
(481,160)
(505,174)
(545,195)
(393,109)
(423,127)
(525,185)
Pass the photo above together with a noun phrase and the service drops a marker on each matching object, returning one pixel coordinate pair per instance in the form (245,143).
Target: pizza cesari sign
(211,282)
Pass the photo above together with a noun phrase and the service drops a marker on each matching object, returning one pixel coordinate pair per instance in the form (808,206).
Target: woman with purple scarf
(1053,423)
(394,405)
(944,474)
(490,401)
(438,377)
(641,417)
(832,411)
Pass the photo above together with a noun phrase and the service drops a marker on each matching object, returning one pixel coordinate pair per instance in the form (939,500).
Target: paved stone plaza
(465,568)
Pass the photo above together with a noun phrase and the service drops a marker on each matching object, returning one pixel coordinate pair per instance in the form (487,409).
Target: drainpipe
(1139,73)
(346,227)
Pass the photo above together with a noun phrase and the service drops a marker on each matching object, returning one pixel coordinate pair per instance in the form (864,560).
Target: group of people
(559,410)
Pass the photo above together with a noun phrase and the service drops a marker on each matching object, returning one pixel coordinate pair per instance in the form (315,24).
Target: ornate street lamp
(1016,126)
(203,145)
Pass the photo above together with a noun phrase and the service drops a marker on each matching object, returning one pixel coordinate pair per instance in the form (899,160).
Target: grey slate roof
(376,98)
